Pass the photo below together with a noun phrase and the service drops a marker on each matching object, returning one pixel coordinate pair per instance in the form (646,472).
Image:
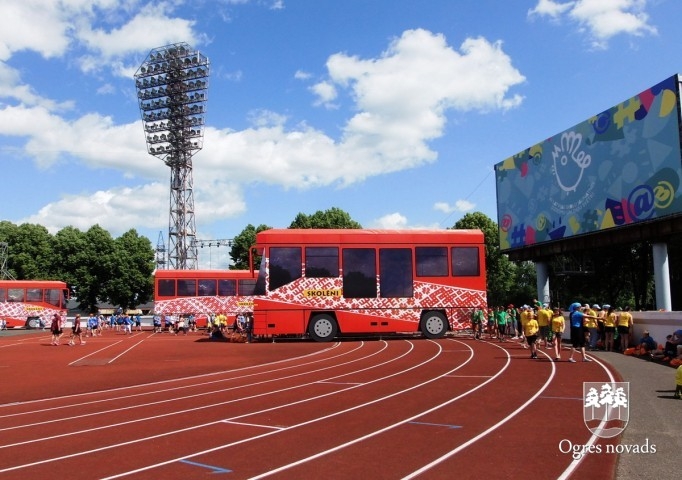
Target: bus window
(465,262)
(54,297)
(259,289)
(395,273)
(432,261)
(227,288)
(165,288)
(285,265)
(359,273)
(15,295)
(321,262)
(247,287)
(34,294)
(187,287)
(207,287)
(3,294)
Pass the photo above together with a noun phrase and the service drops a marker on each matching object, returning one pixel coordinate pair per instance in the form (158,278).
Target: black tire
(322,328)
(32,322)
(434,325)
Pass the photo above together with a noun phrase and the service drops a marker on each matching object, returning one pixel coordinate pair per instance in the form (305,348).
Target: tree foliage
(239,253)
(331,218)
(96,267)
(502,274)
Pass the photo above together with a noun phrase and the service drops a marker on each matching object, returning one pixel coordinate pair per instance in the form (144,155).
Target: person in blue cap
(576,319)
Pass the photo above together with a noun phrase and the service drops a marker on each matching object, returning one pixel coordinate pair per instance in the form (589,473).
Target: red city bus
(203,292)
(32,303)
(329,282)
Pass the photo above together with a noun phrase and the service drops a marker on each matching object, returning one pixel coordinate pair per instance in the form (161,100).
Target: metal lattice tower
(4,273)
(160,253)
(171,88)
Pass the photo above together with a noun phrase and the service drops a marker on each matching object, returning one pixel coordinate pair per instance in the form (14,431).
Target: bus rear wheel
(322,328)
(434,325)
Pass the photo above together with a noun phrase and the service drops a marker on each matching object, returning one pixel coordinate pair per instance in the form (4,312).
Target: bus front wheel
(32,322)
(322,328)
(434,325)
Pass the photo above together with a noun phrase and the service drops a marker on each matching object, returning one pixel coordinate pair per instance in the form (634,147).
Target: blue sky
(394,111)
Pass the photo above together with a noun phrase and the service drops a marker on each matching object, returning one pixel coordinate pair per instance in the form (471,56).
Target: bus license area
(316,293)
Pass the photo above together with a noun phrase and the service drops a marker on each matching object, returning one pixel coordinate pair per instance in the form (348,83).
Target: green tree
(331,218)
(29,251)
(239,253)
(88,260)
(501,272)
(130,281)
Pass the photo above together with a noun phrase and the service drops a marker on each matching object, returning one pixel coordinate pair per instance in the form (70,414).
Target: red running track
(182,407)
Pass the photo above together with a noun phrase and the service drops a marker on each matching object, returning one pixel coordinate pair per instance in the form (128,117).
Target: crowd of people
(591,327)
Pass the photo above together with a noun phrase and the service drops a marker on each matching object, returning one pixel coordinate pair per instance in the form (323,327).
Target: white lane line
(150,384)
(124,352)
(314,420)
(86,356)
(175,399)
(248,439)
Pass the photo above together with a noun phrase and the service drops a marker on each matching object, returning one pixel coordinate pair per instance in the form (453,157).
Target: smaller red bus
(203,292)
(32,303)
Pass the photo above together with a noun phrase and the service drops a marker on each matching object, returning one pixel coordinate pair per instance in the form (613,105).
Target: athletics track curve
(181,407)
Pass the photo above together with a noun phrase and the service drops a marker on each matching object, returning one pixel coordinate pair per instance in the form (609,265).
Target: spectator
(647,344)
(678,381)
(577,321)
(610,322)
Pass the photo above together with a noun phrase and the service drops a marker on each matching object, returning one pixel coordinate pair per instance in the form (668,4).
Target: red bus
(203,292)
(329,282)
(32,303)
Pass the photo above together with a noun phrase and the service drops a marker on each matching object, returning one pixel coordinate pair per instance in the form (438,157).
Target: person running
(76,332)
(530,331)
(558,327)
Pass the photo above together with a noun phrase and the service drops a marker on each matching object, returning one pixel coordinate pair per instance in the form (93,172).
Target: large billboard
(615,169)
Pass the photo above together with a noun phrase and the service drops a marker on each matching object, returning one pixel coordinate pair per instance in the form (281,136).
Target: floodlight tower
(4,273)
(171,89)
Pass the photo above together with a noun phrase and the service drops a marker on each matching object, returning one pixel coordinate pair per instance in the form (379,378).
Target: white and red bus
(32,303)
(329,282)
(203,292)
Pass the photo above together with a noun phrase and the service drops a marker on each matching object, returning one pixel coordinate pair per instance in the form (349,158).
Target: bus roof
(223,274)
(363,236)
(32,284)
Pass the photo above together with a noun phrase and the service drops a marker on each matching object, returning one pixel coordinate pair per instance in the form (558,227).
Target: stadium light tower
(171,89)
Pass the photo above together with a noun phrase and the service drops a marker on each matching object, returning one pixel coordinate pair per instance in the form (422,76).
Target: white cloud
(550,8)
(602,19)
(392,221)
(301,75)
(459,206)
(115,210)
(398,221)
(401,99)
(325,92)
